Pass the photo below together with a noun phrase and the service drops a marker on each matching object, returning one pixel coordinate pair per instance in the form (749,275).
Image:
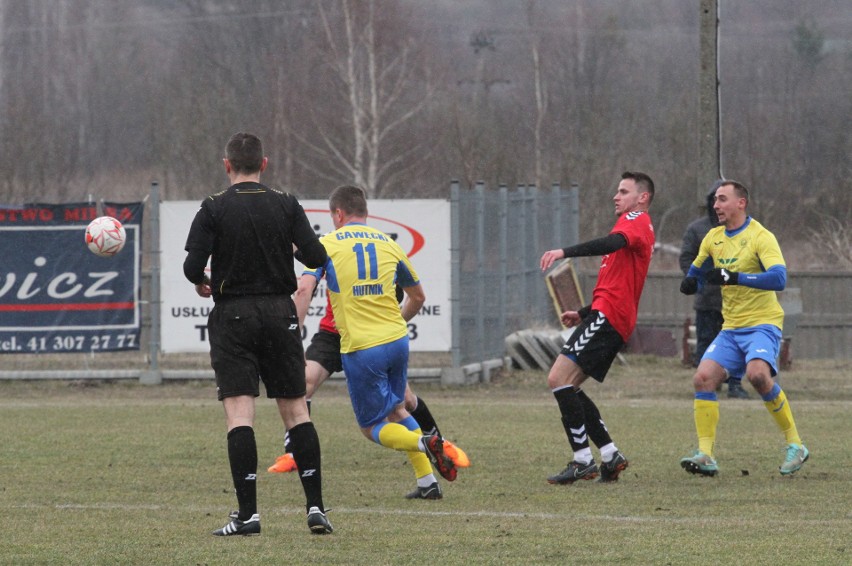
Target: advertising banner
(421,227)
(57,296)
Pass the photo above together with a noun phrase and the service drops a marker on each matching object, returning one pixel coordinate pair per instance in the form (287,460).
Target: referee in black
(250,231)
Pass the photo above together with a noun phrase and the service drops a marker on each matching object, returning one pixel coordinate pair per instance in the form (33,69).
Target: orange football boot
(283,464)
(456,454)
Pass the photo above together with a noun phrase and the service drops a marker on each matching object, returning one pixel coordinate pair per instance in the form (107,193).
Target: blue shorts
(376,378)
(733,349)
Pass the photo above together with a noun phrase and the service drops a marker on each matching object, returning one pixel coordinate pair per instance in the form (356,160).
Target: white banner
(421,227)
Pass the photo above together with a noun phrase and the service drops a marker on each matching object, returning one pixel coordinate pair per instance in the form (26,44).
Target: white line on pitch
(422,513)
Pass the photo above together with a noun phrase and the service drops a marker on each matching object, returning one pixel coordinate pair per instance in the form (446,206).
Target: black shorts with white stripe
(594,345)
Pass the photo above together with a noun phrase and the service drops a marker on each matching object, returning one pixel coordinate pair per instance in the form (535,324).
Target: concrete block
(518,353)
(150,377)
(528,340)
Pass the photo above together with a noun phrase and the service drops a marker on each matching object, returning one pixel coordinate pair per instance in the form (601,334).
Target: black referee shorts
(324,349)
(594,345)
(256,338)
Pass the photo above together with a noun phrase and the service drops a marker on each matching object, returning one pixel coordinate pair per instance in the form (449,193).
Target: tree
(540,95)
(377,87)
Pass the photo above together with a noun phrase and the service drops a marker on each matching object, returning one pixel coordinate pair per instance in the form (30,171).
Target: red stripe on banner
(68,307)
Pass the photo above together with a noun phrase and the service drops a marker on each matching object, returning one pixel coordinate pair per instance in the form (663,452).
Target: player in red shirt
(604,327)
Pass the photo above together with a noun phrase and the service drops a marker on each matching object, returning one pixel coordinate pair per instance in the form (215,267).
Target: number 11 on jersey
(370,252)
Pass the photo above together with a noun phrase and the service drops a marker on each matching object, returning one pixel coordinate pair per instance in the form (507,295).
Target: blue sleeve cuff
(773,279)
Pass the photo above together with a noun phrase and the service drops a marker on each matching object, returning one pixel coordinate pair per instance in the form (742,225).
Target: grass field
(118,473)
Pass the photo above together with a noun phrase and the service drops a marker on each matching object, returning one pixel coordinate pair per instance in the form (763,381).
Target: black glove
(689,285)
(721,276)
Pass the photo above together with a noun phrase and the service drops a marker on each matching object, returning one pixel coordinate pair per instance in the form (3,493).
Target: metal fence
(818,317)
(497,237)
(498,234)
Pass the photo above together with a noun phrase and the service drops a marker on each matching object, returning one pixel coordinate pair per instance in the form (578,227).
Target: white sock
(584,456)
(608,452)
(426,480)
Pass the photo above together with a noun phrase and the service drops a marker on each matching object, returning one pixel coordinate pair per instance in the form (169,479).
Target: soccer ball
(105,236)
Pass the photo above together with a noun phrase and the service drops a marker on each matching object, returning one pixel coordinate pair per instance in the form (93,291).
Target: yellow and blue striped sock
(396,436)
(399,437)
(778,406)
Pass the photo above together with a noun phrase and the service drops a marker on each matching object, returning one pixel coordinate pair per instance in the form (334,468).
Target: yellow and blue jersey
(749,249)
(364,265)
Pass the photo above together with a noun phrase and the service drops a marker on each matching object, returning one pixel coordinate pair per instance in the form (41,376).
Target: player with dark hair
(604,327)
(745,259)
(363,268)
(708,301)
(249,230)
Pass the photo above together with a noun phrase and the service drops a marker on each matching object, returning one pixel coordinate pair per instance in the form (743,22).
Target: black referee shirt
(250,230)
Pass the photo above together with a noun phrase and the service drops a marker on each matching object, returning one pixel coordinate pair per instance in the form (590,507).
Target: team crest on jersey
(635,214)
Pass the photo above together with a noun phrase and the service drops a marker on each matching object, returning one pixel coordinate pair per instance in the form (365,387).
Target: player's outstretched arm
(599,246)
(549,257)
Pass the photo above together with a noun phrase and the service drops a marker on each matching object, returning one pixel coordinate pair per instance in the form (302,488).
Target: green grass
(118,473)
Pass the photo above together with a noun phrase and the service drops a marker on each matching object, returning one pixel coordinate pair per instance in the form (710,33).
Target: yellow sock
(420,462)
(396,436)
(706,419)
(779,408)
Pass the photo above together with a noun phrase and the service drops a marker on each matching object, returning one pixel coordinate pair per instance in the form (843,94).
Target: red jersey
(622,273)
(327,322)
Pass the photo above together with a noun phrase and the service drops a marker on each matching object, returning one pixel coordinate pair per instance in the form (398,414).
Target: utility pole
(709,161)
